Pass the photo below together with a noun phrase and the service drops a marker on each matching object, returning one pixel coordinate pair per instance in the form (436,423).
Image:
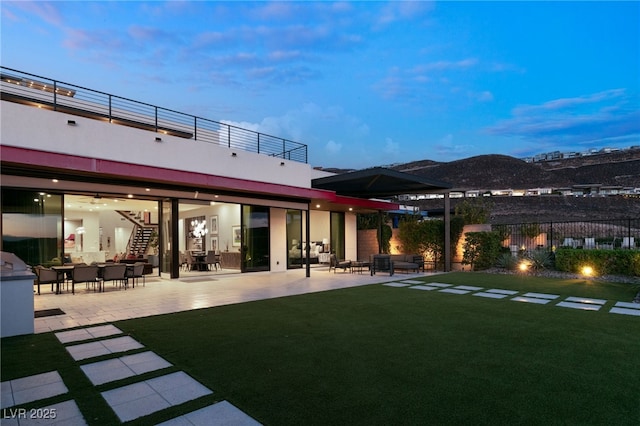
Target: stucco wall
(102,140)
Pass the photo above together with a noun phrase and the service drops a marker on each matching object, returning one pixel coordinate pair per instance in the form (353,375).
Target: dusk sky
(361,83)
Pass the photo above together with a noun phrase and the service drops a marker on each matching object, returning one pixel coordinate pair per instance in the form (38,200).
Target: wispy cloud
(589,119)
(426,81)
(396,11)
(46,11)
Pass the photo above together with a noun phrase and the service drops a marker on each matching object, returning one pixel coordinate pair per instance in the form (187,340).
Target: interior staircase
(140,238)
(139,241)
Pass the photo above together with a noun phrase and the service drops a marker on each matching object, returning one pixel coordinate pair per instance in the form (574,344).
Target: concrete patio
(195,291)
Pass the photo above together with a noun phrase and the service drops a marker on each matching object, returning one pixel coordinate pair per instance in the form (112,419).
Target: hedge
(604,262)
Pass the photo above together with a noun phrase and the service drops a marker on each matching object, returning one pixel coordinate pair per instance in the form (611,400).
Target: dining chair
(85,274)
(183,261)
(116,272)
(135,273)
(46,276)
(212,260)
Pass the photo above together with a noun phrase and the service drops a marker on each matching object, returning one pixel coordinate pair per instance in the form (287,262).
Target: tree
(474,210)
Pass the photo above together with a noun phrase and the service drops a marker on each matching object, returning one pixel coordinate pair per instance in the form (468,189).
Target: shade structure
(379,182)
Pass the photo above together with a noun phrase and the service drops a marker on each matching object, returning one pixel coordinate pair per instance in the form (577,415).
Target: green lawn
(382,355)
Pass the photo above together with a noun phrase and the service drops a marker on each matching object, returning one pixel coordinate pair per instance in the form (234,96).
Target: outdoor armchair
(85,274)
(334,263)
(116,273)
(46,276)
(135,273)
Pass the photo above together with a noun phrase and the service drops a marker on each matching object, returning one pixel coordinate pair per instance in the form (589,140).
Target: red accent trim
(108,168)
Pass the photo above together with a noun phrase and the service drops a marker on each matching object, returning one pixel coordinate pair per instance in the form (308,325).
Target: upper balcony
(41,92)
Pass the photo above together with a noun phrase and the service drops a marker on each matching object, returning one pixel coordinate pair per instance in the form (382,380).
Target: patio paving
(207,289)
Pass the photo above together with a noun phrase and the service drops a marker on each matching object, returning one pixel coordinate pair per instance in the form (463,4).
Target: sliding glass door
(255,238)
(337,234)
(294,239)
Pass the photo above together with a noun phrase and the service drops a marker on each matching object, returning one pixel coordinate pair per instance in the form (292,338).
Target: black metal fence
(42,92)
(596,234)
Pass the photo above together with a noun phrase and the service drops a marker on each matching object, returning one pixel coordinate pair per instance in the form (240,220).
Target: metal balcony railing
(30,89)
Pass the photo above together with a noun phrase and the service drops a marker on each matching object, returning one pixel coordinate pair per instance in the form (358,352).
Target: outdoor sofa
(394,262)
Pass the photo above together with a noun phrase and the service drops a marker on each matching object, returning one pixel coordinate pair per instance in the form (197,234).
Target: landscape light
(587,271)
(523,266)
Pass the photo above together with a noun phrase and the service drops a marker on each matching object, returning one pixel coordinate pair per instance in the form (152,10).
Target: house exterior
(86,174)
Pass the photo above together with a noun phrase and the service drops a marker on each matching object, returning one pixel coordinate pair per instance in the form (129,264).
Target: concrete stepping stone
(454,291)
(397,284)
(586,300)
(626,308)
(120,368)
(441,285)
(625,311)
(490,295)
(583,306)
(143,398)
(501,291)
(531,300)
(32,388)
(67,413)
(412,282)
(629,305)
(542,295)
(220,414)
(102,347)
(424,287)
(87,333)
(467,287)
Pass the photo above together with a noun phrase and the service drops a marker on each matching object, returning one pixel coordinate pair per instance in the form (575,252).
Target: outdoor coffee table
(358,265)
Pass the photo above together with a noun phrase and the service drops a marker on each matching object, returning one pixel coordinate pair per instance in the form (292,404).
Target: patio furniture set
(380,263)
(94,275)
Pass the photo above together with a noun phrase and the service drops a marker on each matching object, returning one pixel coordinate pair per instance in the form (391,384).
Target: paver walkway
(573,302)
(128,402)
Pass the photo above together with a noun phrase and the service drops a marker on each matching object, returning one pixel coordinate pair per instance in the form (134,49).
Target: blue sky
(362,83)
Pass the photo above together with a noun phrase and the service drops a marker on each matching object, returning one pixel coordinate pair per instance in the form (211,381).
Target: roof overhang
(379,182)
(50,165)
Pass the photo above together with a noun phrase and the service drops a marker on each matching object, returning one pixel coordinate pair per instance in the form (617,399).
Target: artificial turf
(383,355)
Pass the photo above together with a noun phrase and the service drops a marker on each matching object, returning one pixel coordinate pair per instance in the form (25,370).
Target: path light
(587,271)
(523,266)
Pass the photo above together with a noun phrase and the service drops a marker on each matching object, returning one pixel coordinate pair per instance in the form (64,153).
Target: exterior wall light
(233,154)
(158,139)
(71,122)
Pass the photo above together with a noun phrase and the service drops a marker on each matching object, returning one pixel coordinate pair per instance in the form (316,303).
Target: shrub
(481,249)
(427,236)
(507,261)
(604,262)
(540,259)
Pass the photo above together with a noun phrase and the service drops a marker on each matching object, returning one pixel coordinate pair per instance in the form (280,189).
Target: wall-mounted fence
(30,89)
(597,234)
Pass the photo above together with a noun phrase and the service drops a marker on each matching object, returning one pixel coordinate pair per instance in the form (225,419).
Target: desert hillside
(486,172)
